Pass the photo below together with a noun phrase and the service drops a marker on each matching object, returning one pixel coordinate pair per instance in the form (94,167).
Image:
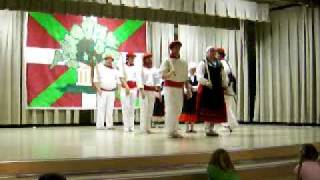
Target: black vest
(215,74)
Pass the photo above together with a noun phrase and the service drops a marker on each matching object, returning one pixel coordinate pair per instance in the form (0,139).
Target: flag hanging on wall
(62,49)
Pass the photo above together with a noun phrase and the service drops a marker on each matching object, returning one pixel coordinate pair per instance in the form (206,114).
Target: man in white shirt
(229,93)
(150,85)
(174,72)
(129,78)
(105,80)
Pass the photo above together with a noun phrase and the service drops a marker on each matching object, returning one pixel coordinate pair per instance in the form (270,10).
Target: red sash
(175,84)
(131,84)
(149,88)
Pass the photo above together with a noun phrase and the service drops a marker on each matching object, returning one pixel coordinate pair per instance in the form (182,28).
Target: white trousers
(231,115)
(128,108)
(173,99)
(146,110)
(105,106)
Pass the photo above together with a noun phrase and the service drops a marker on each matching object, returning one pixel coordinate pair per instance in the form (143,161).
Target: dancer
(229,93)
(129,77)
(174,71)
(158,111)
(106,79)
(211,106)
(189,116)
(148,89)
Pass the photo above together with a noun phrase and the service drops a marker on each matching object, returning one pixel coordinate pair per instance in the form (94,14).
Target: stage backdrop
(61,51)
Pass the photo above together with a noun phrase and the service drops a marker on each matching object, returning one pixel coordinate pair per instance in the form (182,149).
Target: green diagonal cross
(57,31)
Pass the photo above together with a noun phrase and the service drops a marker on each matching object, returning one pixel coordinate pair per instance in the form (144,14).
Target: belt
(107,89)
(150,88)
(131,84)
(175,84)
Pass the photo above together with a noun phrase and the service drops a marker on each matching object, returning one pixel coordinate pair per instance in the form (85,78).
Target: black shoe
(176,136)
(212,134)
(229,128)
(193,131)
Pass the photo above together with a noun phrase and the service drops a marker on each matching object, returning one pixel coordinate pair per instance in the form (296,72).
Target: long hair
(307,153)
(221,159)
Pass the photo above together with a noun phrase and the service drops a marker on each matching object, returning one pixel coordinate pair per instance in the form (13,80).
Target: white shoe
(110,128)
(146,132)
(149,131)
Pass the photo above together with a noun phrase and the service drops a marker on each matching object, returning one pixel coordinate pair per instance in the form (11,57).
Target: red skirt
(189,113)
(188,118)
(210,105)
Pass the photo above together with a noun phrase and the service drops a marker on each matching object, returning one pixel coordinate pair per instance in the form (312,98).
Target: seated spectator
(309,166)
(221,167)
(52,176)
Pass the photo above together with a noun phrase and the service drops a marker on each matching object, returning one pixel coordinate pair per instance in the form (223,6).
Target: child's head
(308,152)
(221,159)
(52,176)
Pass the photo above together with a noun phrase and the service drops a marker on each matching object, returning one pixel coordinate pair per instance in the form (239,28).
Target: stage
(84,149)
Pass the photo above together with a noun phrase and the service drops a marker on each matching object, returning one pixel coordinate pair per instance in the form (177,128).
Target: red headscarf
(221,52)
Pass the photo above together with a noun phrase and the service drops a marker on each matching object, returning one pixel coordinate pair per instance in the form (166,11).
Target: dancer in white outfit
(129,77)
(105,80)
(229,93)
(174,71)
(148,89)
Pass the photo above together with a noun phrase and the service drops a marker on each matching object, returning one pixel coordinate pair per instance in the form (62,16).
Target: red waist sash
(175,84)
(131,84)
(150,88)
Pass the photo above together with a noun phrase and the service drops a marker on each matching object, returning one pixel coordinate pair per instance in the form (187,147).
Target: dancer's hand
(143,95)
(171,73)
(160,97)
(208,84)
(99,91)
(194,88)
(127,91)
(189,94)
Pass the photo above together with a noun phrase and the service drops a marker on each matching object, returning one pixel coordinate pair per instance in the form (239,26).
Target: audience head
(221,159)
(52,176)
(308,153)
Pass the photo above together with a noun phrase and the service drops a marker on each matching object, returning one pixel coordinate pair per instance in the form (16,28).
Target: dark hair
(307,153)
(52,176)
(221,159)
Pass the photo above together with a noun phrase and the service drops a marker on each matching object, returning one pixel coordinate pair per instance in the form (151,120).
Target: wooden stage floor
(57,143)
